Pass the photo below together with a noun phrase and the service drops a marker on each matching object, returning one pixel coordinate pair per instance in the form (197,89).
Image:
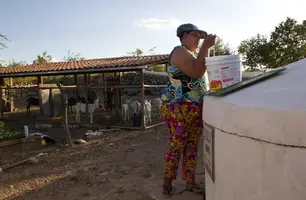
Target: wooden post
(64,95)
(51,105)
(11,95)
(120,92)
(2,105)
(104,91)
(76,82)
(117,96)
(86,93)
(114,103)
(40,81)
(75,79)
(143,125)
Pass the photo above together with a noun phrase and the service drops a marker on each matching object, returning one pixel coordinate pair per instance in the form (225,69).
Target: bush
(7,133)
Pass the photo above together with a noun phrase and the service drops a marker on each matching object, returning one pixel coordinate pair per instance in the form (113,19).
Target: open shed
(106,75)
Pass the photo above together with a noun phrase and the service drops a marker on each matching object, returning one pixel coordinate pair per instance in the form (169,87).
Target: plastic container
(223,71)
(26,131)
(206,81)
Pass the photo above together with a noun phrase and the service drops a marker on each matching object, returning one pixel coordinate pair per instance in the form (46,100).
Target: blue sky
(100,28)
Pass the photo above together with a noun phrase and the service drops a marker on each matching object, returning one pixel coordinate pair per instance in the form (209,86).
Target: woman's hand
(185,62)
(209,41)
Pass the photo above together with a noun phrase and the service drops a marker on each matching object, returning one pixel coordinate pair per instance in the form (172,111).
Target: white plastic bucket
(206,80)
(223,71)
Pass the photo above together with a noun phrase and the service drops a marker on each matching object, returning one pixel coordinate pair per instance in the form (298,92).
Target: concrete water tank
(257,143)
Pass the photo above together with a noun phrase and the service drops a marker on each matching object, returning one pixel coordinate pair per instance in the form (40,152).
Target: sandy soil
(124,165)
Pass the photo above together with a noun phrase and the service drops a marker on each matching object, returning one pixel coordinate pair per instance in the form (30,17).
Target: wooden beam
(52,86)
(76,82)
(117,96)
(70,72)
(1,95)
(156,73)
(104,90)
(124,127)
(86,93)
(142,91)
(40,80)
(155,86)
(154,125)
(51,105)
(75,79)
(11,96)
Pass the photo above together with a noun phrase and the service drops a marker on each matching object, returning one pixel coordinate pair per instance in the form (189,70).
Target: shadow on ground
(125,165)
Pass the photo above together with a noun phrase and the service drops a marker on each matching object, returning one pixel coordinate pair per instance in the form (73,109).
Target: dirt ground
(125,165)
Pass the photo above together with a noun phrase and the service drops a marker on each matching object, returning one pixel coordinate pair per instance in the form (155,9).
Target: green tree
(3,38)
(72,56)
(157,68)
(14,63)
(287,44)
(2,63)
(141,52)
(220,48)
(43,58)
(255,51)
(137,52)
(151,51)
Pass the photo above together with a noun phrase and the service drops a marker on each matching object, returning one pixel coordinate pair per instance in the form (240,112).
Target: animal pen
(111,92)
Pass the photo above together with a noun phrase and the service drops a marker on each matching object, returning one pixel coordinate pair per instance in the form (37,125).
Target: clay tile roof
(102,64)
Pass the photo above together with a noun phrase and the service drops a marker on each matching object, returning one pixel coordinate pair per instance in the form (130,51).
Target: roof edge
(65,72)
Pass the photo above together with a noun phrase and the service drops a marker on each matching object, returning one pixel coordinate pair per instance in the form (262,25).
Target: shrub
(7,133)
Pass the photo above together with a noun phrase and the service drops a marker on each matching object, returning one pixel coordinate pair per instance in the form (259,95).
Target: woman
(182,104)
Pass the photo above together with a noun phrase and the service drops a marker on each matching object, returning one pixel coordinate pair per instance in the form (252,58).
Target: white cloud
(54,60)
(157,24)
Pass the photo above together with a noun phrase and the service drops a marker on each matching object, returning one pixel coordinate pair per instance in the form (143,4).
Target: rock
(110,145)
(104,173)
(33,160)
(79,141)
(41,154)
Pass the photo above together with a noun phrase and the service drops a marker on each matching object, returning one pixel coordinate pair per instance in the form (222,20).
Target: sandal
(167,187)
(196,189)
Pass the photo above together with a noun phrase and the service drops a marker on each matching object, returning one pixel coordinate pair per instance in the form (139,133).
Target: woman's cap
(187,28)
